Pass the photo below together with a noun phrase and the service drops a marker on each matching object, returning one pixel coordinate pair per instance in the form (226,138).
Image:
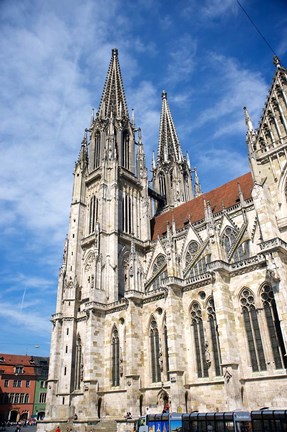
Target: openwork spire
(113,98)
(168,147)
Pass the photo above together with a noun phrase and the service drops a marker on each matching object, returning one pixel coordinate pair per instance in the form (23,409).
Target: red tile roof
(226,195)
(9,361)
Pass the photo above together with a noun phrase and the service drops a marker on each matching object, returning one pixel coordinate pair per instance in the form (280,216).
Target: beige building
(187,305)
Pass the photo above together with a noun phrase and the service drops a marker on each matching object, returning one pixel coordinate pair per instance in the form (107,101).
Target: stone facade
(187,305)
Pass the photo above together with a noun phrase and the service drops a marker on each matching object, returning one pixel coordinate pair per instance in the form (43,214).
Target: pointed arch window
(155,351)
(274,328)
(115,358)
(126,150)
(97,151)
(252,330)
(214,336)
(199,340)
(78,364)
(162,184)
(93,214)
(127,213)
(166,355)
(228,238)
(158,265)
(191,251)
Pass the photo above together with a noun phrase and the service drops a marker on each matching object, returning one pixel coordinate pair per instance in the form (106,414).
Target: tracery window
(115,357)
(274,328)
(200,266)
(199,340)
(252,330)
(78,364)
(191,251)
(157,266)
(228,238)
(155,351)
(214,336)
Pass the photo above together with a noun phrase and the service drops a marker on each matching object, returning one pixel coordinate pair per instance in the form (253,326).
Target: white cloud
(36,323)
(234,88)
(182,59)
(215,8)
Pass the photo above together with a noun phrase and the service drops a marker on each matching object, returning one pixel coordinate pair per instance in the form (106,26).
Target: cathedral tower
(109,229)
(171,170)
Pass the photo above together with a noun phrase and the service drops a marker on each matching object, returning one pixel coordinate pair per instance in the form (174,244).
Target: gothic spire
(168,147)
(113,97)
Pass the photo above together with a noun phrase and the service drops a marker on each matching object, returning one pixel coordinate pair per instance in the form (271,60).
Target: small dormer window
(19,369)
(2,359)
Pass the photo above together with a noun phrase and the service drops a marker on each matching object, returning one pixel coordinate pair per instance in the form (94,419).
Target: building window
(93,214)
(115,358)
(26,398)
(158,266)
(19,369)
(17,383)
(199,340)
(274,328)
(126,150)
(43,384)
(78,364)
(16,399)
(228,239)
(97,152)
(28,383)
(214,336)
(155,352)
(166,355)
(252,331)
(22,397)
(11,398)
(191,251)
(127,213)
(162,185)
(6,383)
(42,398)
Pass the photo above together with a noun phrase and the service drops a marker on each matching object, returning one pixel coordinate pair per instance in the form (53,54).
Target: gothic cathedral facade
(165,292)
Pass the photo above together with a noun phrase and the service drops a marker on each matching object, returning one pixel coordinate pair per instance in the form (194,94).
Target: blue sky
(54,57)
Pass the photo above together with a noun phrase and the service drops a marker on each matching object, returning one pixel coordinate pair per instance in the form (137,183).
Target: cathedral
(167,293)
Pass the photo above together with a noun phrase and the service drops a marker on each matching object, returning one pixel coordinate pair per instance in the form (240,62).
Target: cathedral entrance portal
(163,399)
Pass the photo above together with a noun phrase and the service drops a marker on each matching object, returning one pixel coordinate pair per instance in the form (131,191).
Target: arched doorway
(13,416)
(162,399)
(41,415)
(24,416)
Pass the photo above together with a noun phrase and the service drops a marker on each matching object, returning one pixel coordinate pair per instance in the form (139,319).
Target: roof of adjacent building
(8,362)
(224,196)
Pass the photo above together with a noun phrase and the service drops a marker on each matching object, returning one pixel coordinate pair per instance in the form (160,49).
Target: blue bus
(236,421)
